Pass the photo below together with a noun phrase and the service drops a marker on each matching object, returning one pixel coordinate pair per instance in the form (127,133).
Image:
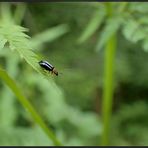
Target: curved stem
(27,105)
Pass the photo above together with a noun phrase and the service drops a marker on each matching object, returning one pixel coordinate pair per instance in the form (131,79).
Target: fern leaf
(112,25)
(139,7)
(2,41)
(93,25)
(133,31)
(19,42)
(130,26)
(138,35)
(49,35)
(19,12)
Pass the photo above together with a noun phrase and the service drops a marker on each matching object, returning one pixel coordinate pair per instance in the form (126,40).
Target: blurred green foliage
(68,36)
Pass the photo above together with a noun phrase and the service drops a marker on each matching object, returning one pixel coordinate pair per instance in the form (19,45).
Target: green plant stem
(108,88)
(10,82)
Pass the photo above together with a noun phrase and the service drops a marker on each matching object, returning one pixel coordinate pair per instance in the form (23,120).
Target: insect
(48,67)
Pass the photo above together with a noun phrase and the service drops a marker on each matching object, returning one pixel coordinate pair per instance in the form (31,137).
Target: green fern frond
(49,35)
(133,31)
(3,41)
(93,25)
(19,42)
(112,25)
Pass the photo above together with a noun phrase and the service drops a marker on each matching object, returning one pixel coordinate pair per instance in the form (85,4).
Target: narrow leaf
(2,42)
(130,26)
(133,31)
(49,35)
(139,34)
(19,12)
(112,25)
(6,12)
(93,25)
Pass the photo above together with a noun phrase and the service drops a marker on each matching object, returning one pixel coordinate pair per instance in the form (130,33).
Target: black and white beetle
(48,67)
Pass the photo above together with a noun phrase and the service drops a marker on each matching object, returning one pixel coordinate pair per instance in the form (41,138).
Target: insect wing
(46,65)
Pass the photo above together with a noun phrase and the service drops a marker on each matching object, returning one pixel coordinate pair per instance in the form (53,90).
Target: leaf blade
(112,26)
(49,35)
(92,26)
(2,42)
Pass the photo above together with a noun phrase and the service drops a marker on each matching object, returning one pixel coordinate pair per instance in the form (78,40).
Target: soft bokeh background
(72,104)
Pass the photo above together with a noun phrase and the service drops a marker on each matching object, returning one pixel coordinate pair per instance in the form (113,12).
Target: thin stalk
(108,88)
(27,105)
